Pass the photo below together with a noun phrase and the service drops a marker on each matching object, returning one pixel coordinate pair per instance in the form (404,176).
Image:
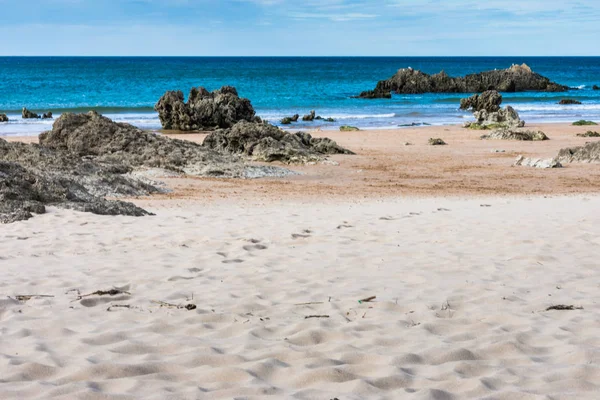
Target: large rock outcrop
(204,110)
(515,134)
(489,114)
(26,114)
(517,78)
(589,153)
(3,118)
(265,142)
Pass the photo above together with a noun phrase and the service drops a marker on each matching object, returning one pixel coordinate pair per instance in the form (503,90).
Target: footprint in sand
(222,254)
(345,225)
(305,234)
(387,218)
(252,247)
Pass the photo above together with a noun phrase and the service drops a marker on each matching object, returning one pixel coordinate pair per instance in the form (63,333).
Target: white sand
(461,294)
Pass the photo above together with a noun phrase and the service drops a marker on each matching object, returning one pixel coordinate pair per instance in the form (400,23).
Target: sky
(300,28)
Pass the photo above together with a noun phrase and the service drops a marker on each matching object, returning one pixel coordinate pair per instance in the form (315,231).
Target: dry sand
(462,283)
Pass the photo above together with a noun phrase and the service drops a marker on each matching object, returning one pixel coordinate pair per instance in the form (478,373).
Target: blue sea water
(126,88)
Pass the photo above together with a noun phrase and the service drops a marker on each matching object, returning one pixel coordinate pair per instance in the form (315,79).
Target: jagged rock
(505,117)
(204,110)
(513,134)
(569,101)
(348,128)
(589,134)
(437,142)
(595,87)
(3,118)
(537,162)
(289,120)
(310,117)
(517,78)
(264,142)
(589,153)
(26,114)
(329,119)
(489,101)
(47,115)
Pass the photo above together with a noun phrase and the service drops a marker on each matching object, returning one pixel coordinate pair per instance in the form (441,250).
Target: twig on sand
(111,292)
(316,316)
(367,300)
(562,307)
(26,297)
(188,307)
(309,304)
(118,306)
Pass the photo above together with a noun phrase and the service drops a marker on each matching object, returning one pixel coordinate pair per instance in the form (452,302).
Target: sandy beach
(252,289)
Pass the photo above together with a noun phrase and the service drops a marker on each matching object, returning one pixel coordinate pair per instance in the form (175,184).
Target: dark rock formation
(488,113)
(3,118)
(513,134)
(264,142)
(589,134)
(47,115)
(517,78)
(204,110)
(569,101)
(348,128)
(310,117)
(589,153)
(436,142)
(489,101)
(26,114)
(595,87)
(289,120)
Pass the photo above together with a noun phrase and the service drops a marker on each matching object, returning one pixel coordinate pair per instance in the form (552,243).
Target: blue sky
(294,27)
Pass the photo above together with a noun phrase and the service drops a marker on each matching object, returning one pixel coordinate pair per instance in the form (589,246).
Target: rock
(436,142)
(583,122)
(488,113)
(569,101)
(26,114)
(589,134)
(595,87)
(348,128)
(310,117)
(517,78)
(47,115)
(513,134)
(204,110)
(489,101)
(92,135)
(537,162)
(289,120)
(329,119)
(589,153)
(3,118)
(264,142)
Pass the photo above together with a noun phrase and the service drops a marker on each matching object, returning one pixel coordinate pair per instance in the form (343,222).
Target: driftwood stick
(368,299)
(562,307)
(308,304)
(111,292)
(316,316)
(26,297)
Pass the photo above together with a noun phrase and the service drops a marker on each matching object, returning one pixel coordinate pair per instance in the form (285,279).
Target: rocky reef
(569,102)
(588,153)
(517,78)
(27,114)
(488,113)
(595,87)
(3,118)
(204,110)
(265,142)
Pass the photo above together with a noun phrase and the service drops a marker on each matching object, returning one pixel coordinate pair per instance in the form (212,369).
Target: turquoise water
(126,89)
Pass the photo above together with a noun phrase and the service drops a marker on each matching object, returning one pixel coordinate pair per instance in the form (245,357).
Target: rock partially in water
(515,134)
(26,114)
(595,87)
(289,120)
(204,110)
(310,117)
(489,101)
(537,162)
(47,115)
(265,142)
(517,78)
(348,128)
(588,153)
(569,102)
(3,118)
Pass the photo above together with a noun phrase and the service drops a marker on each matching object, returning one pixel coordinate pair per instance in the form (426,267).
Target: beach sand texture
(462,286)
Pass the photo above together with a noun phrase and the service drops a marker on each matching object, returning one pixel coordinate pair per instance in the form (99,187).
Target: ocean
(126,88)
